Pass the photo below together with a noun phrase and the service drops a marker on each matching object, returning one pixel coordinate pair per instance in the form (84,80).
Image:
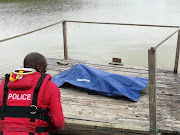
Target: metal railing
(27,33)
(152,79)
(64,23)
(151,65)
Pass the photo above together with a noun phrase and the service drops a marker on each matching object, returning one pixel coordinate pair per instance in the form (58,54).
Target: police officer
(29,100)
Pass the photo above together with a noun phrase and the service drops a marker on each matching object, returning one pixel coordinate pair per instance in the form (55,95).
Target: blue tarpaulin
(100,82)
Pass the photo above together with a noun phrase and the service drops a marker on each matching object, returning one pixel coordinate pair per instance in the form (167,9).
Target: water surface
(90,42)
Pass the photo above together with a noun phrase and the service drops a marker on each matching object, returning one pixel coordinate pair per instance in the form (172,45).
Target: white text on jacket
(15,96)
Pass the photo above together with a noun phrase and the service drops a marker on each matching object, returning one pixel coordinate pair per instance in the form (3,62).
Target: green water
(93,43)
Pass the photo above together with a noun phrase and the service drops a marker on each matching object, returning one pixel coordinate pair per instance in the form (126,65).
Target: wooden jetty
(156,112)
(96,115)
(99,115)
(152,70)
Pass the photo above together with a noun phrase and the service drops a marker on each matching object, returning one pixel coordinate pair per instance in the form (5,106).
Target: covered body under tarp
(100,82)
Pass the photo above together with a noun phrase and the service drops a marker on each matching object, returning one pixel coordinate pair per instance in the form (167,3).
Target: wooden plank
(152,90)
(177,54)
(65,39)
(82,127)
(116,60)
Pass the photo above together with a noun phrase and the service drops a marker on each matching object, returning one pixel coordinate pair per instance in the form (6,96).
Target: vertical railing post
(177,54)
(65,40)
(152,91)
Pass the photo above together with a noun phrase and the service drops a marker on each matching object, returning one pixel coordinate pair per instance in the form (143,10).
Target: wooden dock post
(152,91)
(177,54)
(65,40)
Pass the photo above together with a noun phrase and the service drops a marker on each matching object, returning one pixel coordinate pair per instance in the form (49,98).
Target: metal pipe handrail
(166,38)
(27,33)
(145,25)
(131,24)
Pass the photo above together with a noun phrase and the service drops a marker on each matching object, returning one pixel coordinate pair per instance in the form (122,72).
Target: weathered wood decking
(99,115)
(94,114)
